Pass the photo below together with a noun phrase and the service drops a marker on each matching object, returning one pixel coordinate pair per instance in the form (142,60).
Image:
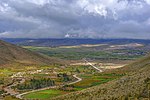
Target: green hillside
(134,86)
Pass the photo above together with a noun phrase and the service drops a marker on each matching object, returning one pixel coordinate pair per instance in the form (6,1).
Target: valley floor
(87,66)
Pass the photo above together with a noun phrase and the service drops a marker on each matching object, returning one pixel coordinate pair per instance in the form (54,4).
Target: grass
(5,72)
(44,94)
(133,86)
(10,98)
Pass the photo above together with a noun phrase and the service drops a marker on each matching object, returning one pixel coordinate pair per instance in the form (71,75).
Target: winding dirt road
(78,80)
(19,96)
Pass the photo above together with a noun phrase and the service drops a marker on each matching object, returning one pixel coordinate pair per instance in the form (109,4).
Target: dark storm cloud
(81,18)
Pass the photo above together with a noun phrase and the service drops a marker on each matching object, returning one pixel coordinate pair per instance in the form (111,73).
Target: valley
(75,69)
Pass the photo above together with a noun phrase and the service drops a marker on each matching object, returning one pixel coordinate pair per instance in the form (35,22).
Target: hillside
(10,53)
(133,86)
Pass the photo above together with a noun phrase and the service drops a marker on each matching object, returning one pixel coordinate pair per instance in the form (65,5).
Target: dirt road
(93,66)
(9,90)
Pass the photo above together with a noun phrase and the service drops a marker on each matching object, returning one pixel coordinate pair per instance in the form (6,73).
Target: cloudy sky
(75,18)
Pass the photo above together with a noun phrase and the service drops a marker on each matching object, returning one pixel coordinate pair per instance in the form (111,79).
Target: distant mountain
(135,85)
(10,53)
(70,42)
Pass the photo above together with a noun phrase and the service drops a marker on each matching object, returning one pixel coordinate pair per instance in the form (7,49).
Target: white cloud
(148,1)
(84,18)
(38,2)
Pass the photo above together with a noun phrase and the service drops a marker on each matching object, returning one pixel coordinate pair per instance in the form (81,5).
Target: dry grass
(133,86)
(10,53)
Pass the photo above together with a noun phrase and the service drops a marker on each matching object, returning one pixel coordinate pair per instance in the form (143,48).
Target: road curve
(78,80)
(11,91)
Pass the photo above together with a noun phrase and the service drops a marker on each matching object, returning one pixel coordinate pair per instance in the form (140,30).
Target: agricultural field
(90,77)
(89,80)
(96,52)
(30,78)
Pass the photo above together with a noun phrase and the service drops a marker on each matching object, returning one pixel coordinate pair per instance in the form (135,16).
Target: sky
(75,19)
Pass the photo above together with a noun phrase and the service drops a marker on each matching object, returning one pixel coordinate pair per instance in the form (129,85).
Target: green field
(45,94)
(92,53)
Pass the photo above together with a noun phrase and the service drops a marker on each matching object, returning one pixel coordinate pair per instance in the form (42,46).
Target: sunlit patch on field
(44,94)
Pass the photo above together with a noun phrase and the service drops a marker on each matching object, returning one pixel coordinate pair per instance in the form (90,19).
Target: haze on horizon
(75,18)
